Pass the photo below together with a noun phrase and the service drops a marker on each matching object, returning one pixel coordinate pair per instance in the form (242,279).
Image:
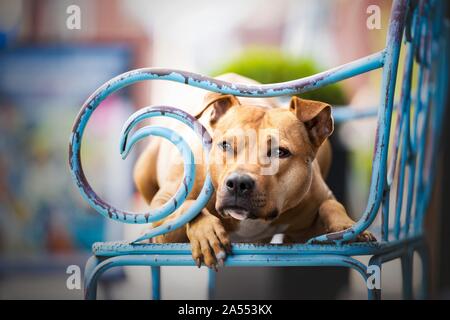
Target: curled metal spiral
(127,142)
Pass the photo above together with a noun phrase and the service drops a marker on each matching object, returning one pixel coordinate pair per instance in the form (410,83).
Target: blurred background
(47,70)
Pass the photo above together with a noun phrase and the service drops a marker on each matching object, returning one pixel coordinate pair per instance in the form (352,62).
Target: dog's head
(261,158)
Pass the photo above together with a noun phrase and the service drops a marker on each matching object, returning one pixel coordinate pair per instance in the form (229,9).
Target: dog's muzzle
(238,189)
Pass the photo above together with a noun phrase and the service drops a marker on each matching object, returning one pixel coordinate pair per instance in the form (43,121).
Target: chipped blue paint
(379,167)
(248,260)
(189,168)
(115,248)
(203,135)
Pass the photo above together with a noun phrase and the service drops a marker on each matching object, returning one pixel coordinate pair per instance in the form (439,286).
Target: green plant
(270,65)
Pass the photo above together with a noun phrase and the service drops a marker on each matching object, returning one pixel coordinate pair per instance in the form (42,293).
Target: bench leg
(374,293)
(211,283)
(406,254)
(90,278)
(156,282)
(407,274)
(422,250)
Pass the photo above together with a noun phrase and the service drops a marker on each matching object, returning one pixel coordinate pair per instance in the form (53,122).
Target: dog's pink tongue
(238,214)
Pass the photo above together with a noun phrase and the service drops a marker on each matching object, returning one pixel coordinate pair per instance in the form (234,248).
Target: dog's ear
(221,103)
(316,117)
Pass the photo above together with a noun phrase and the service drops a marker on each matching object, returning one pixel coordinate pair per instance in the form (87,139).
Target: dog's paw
(365,236)
(209,241)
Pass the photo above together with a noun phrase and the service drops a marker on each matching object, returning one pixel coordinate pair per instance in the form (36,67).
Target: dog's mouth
(238,213)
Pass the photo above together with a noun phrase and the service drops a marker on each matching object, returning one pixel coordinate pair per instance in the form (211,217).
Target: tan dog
(249,205)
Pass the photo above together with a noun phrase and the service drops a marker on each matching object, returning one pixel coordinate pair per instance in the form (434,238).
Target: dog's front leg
(209,240)
(333,218)
(177,235)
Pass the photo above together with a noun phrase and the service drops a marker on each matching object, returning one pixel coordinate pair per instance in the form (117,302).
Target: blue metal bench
(413,150)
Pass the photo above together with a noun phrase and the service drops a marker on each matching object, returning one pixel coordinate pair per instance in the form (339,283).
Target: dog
(248,204)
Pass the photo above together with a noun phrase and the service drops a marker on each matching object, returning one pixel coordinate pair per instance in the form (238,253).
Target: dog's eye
(279,153)
(225,146)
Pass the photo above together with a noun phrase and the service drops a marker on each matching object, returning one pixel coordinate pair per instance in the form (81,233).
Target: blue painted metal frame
(414,148)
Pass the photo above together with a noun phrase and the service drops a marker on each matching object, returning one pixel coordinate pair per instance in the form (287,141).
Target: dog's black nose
(239,184)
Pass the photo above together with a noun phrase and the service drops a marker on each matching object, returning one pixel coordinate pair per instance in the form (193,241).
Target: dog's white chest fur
(253,230)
